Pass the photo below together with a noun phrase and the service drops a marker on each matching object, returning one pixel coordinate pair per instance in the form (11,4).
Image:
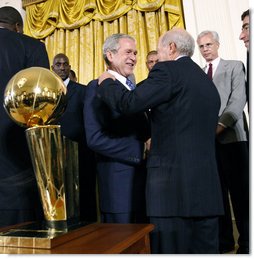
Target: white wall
(223,16)
(15,3)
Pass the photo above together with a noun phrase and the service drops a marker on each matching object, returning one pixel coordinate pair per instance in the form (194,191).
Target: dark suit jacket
(17,187)
(247,78)
(119,142)
(182,172)
(72,126)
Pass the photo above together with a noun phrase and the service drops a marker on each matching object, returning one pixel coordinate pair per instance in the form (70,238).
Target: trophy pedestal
(37,235)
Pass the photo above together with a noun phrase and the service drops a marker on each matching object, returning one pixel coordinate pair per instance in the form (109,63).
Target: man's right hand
(105,75)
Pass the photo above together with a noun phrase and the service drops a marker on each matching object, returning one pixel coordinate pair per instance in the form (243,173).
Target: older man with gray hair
(183,189)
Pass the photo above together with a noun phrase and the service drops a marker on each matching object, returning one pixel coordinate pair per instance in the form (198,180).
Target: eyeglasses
(208,46)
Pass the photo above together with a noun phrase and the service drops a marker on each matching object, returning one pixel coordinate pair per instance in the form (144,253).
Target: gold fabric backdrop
(78,28)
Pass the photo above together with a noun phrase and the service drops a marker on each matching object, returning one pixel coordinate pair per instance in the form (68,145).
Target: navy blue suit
(182,180)
(72,126)
(119,143)
(18,187)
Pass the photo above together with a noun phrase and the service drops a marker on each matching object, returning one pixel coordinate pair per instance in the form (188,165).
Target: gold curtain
(78,28)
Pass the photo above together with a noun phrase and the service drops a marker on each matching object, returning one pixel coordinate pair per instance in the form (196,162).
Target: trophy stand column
(56,175)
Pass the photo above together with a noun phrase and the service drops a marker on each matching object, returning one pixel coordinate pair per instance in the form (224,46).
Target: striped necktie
(130,84)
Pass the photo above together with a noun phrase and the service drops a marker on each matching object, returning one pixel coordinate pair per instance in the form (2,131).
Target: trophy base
(38,235)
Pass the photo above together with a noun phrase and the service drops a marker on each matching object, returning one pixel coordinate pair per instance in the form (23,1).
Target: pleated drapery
(78,28)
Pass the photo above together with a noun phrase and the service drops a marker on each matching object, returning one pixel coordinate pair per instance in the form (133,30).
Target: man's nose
(241,36)
(133,56)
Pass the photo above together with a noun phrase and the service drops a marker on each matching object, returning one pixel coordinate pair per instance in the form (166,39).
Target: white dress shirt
(120,78)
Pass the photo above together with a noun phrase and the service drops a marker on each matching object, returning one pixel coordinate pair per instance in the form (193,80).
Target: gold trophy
(34,98)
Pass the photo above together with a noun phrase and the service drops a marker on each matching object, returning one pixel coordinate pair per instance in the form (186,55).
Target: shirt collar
(215,63)
(180,56)
(119,77)
(66,81)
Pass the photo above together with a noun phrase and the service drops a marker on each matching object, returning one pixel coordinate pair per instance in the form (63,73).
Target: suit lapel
(220,72)
(70,89)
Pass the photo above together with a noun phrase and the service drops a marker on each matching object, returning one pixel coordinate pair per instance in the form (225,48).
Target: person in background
(73,76)
(231,141)
(72,126)
(245,37)
(11,19)
(19,198)
(151,59)
(118,140)
(183,188)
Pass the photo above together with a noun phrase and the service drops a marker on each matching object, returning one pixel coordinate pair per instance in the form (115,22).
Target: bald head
(61,66)
(174,43)
(11,19)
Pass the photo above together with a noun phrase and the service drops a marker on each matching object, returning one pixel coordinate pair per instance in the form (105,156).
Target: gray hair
(112,44)
(184,42)
(214,35)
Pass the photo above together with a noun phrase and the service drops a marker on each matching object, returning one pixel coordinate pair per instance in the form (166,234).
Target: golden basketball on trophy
(35,96)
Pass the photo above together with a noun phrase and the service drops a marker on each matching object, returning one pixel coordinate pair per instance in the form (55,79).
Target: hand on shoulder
(105,75)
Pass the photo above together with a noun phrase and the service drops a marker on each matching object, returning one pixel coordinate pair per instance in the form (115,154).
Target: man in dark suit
(245,37)
(19,198)
(72,126)
(118,140)
(231,141)
(183,187)
(151,60)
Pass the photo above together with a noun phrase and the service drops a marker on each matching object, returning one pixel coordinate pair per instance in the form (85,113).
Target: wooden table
(98,238)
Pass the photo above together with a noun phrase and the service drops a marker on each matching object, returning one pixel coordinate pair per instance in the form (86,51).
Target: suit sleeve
(41,56)
(36,53)
(153,91)
(125,149)
(237,99)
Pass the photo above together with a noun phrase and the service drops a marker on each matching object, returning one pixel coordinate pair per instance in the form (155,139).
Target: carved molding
(26,3)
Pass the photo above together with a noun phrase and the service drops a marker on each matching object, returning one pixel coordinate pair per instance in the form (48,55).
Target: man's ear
(172,46)
(18,28)
(109,55)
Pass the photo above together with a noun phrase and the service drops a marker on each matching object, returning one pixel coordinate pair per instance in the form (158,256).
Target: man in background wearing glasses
(231,141)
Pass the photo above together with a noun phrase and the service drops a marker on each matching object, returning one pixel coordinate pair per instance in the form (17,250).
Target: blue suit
(119,143)
(72,126)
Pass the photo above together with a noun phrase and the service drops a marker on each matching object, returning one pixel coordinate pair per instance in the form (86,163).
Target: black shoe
(242,250)
(226,249)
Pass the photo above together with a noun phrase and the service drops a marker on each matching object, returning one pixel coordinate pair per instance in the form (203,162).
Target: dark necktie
(130,84)
(210,71)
